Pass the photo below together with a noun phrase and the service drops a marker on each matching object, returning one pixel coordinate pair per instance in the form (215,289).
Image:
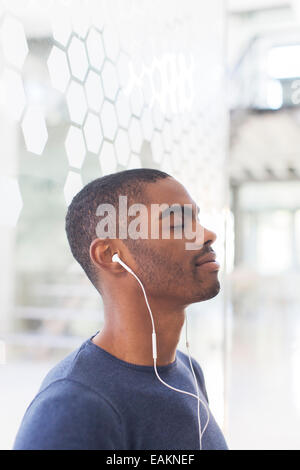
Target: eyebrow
(179,208)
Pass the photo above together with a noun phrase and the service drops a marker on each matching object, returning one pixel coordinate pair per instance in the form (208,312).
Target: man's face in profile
(165,266)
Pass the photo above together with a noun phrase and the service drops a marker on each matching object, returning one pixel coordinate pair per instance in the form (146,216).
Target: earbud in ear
(116,259)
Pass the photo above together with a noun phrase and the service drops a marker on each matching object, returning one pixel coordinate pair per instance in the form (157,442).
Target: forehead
(168,191)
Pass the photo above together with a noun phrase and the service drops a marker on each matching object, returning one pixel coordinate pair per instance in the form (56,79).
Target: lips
(208,262)
(209,258)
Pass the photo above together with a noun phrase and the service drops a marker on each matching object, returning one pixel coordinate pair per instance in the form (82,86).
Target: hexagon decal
(10,201)
(34,130)
(75,147)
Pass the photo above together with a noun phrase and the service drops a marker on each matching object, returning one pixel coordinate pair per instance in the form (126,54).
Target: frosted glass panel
(88,88)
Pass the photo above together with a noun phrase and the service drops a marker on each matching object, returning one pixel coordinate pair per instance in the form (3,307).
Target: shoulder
(73,394)
(69,415)
(185,359)
(79,368)
(63,368)
(197,369)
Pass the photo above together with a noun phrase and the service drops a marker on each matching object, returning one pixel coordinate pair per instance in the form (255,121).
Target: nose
(209,237)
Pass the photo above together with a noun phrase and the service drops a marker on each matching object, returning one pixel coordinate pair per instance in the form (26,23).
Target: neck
(127,331)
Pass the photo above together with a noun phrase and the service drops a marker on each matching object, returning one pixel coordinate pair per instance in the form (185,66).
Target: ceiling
(264,143)
(265,146)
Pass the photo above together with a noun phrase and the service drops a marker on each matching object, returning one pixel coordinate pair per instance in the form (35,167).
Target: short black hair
(81,219)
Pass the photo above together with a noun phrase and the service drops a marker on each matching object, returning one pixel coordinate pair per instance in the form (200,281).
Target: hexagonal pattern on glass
(168,112)
(147,90)
(176,127)
(78,58)
(192,139)
(135,135)
(147,124)
(94,91)
(72,185)
(61,27)
(95,49)
(176,157)
(156,79)
(76,102)
(34,130)
(75,147)
(157,147)
(167,137)
(58,69)
(10,201)
(167,163)
(109,120)
(97,15)
(136,101)
(93,133)
(184,146)
(157,116)
(122,147)
(13,41)
(14,95)
(111,43)
(107,158)
(123,70)
(121,102)
(186,121)
(134,162)
(80,18)
(123,110)
(110,80)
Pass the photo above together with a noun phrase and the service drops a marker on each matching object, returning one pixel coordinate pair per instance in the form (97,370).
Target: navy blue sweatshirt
(93,400)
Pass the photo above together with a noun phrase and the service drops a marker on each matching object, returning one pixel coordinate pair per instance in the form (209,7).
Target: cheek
(161,262)
(161,271)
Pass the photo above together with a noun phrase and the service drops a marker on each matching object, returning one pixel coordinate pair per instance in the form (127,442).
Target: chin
(214,290)
(208,292)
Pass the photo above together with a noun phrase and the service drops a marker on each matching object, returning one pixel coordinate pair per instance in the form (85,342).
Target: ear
(101,254)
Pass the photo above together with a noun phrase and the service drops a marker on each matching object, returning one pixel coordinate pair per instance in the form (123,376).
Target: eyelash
(182,225)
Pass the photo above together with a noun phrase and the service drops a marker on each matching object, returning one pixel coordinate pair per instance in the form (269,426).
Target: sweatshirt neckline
(130,365)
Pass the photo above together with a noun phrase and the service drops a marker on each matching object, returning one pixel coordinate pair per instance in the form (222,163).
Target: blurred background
(210,93)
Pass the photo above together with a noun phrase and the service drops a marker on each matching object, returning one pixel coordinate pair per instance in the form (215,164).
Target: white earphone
(116,259)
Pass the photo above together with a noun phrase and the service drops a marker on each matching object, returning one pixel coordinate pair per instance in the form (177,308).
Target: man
(105,395)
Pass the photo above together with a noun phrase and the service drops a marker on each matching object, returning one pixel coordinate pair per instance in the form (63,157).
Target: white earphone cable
(154,349)
(197,387)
